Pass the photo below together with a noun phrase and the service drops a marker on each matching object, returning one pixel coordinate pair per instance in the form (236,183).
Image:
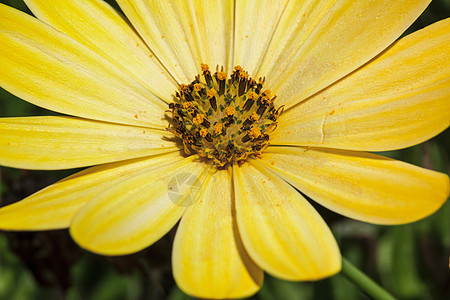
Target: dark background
(411,261)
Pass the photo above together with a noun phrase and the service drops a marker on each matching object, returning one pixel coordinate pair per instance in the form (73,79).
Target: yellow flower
(345,84)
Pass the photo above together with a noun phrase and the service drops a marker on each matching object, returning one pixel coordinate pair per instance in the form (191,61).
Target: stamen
(241,116)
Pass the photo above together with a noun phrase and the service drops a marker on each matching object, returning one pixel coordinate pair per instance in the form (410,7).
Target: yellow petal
(255,25)
(136,212)
(158,23)
(50,69)
(208,27)
(65,142)
(298,20)
(99,27)
(351,33)
(208,258)
(399,99)
(360,185)
(55,206)
(281,231)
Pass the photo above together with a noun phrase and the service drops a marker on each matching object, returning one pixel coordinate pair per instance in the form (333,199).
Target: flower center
(225,120)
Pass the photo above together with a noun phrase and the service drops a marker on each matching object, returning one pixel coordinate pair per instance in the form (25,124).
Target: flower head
(301,90)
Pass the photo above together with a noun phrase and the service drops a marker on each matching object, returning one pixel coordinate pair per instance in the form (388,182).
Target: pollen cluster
(224,119)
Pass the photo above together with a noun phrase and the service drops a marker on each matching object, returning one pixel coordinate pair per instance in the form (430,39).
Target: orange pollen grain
(183,87)
(218,128)
(211,93)
(203,132)
(221,75)
(254,133)
(252,96)
(265,97)
(267,93)
(187,105)
(198,87)
(254,116)
(198,119)
(204,67)
(230,110)
(243,74)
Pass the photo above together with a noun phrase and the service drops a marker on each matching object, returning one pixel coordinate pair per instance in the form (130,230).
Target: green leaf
(397,262)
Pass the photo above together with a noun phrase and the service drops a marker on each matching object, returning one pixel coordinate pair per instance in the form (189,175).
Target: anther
(228,127)
(184,87)
(246,123)
(213,103)
(206,123)
(242,86)
(246,138)
(261,110)
(207,74)
(248,104)
(259,86)
(221,79)
(251,119)
(188,96)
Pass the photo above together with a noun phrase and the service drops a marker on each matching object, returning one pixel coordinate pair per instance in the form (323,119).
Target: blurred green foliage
(411,261)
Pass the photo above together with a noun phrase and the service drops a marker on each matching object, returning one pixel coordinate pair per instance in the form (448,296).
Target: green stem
(369,286)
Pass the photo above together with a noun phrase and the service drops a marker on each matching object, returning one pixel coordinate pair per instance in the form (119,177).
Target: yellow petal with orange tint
(351,33)
(208,259)
(54,206)
(49,143)
(47,68)
(98,26)
(139,210)
(360,185)
(399,99)
(281,231)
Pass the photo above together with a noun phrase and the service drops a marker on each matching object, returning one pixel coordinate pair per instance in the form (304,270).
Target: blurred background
(411,261)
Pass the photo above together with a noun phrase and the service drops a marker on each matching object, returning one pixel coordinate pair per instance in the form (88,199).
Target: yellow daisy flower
(334,83)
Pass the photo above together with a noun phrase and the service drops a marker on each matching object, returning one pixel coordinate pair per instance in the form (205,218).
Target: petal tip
(210,293)
(107,249)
